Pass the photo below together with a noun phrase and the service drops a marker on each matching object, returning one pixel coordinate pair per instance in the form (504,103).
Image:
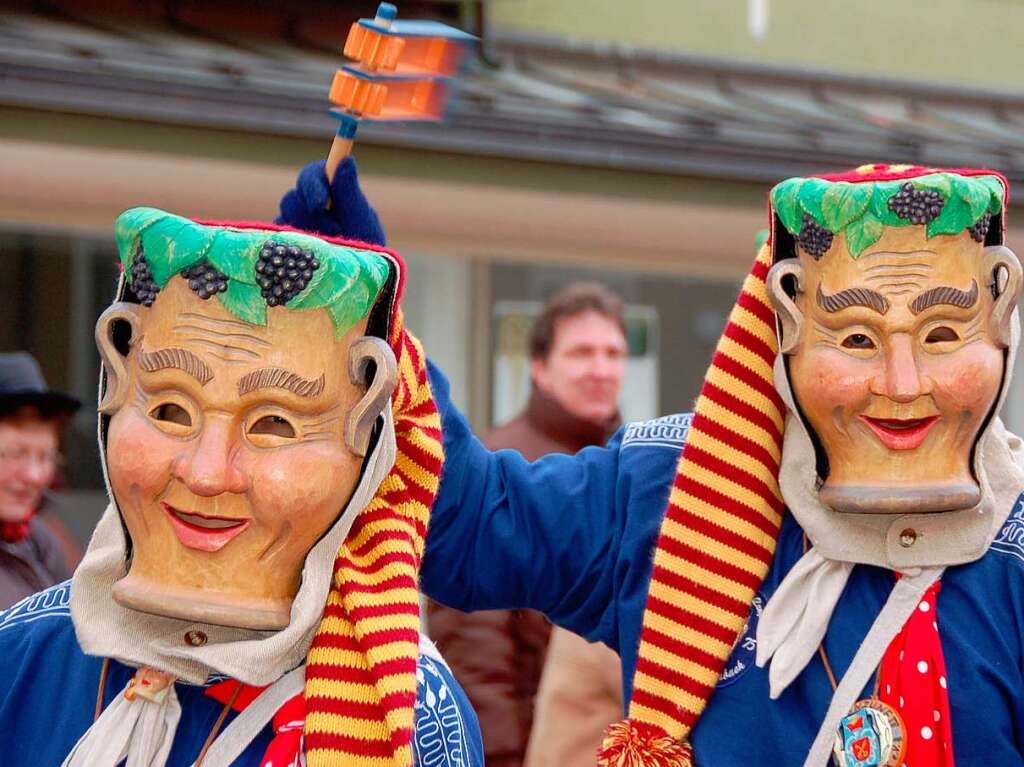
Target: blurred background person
(32,418)
(578,355)
(580,692)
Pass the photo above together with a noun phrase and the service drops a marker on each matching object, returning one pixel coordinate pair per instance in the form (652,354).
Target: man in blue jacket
(888,627)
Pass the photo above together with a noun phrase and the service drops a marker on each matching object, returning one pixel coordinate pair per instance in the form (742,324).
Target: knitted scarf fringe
(635,744)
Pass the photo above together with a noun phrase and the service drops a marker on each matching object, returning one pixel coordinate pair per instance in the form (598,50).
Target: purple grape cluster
(283,271)
(980,230)
(143,286)
(205,280)
(814,238)
(919,206)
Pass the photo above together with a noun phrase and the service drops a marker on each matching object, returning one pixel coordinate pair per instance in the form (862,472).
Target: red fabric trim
(222,692)
(881,173)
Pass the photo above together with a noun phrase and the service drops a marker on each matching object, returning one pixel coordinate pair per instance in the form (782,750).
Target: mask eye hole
(940,335)
(169,412)
(274,425)
(858,341)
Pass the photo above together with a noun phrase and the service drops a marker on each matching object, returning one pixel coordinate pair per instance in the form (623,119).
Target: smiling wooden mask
(242,389)
(894,296)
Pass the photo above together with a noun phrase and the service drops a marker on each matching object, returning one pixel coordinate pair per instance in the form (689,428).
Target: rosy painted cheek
(826,380)
(300,483)
(966,382)
(139,457)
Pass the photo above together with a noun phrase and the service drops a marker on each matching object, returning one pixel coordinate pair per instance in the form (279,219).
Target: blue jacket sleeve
(571,536)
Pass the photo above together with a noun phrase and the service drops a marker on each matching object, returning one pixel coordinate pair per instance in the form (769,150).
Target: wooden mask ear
(1002,272)
(359,426)
(790,317)
(117,330)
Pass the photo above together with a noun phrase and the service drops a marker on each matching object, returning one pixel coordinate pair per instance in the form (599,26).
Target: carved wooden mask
(236,434)
(895,343)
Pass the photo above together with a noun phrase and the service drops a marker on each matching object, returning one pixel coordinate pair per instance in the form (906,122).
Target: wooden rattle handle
(340,149)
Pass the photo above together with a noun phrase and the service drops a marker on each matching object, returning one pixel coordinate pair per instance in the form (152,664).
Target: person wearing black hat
(31,420)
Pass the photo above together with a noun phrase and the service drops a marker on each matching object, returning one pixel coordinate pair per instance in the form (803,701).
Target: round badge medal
(871,735)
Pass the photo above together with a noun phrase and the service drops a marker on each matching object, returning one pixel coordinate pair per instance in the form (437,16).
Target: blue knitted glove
(350,216)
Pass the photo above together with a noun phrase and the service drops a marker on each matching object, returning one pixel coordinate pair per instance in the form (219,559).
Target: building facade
(588,140)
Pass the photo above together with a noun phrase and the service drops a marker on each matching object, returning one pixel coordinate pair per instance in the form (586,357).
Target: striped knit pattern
(718,535)
(361,669)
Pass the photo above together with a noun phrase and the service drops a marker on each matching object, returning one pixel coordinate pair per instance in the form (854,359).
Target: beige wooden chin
(158,597)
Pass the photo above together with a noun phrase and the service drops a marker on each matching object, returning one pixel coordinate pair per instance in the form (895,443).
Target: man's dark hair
(576,298)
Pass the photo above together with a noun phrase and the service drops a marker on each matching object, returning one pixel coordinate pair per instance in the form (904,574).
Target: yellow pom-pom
(637,744)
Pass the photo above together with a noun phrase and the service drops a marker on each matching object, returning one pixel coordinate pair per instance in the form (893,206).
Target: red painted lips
(204,532)
(901,433)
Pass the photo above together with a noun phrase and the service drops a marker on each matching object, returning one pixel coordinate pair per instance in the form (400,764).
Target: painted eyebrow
(279,378)
(852,297)
(944,294)
(179,359)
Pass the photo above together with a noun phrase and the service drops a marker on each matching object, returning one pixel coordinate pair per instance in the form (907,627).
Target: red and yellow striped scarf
(361,668)
(716,541)
(715,547)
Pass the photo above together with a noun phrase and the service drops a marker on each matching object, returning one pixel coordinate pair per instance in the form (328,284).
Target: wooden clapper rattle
(400,71)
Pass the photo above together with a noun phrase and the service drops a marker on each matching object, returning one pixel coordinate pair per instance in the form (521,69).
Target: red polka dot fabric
(912,679)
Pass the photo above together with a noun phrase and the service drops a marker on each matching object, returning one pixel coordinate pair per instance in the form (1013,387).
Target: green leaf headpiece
(861,203)
(242,270)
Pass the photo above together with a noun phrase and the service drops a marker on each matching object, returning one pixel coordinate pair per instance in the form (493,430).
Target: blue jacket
(48,690)
(573,536)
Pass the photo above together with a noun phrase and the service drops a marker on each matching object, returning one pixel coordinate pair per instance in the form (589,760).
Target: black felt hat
(22,385)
